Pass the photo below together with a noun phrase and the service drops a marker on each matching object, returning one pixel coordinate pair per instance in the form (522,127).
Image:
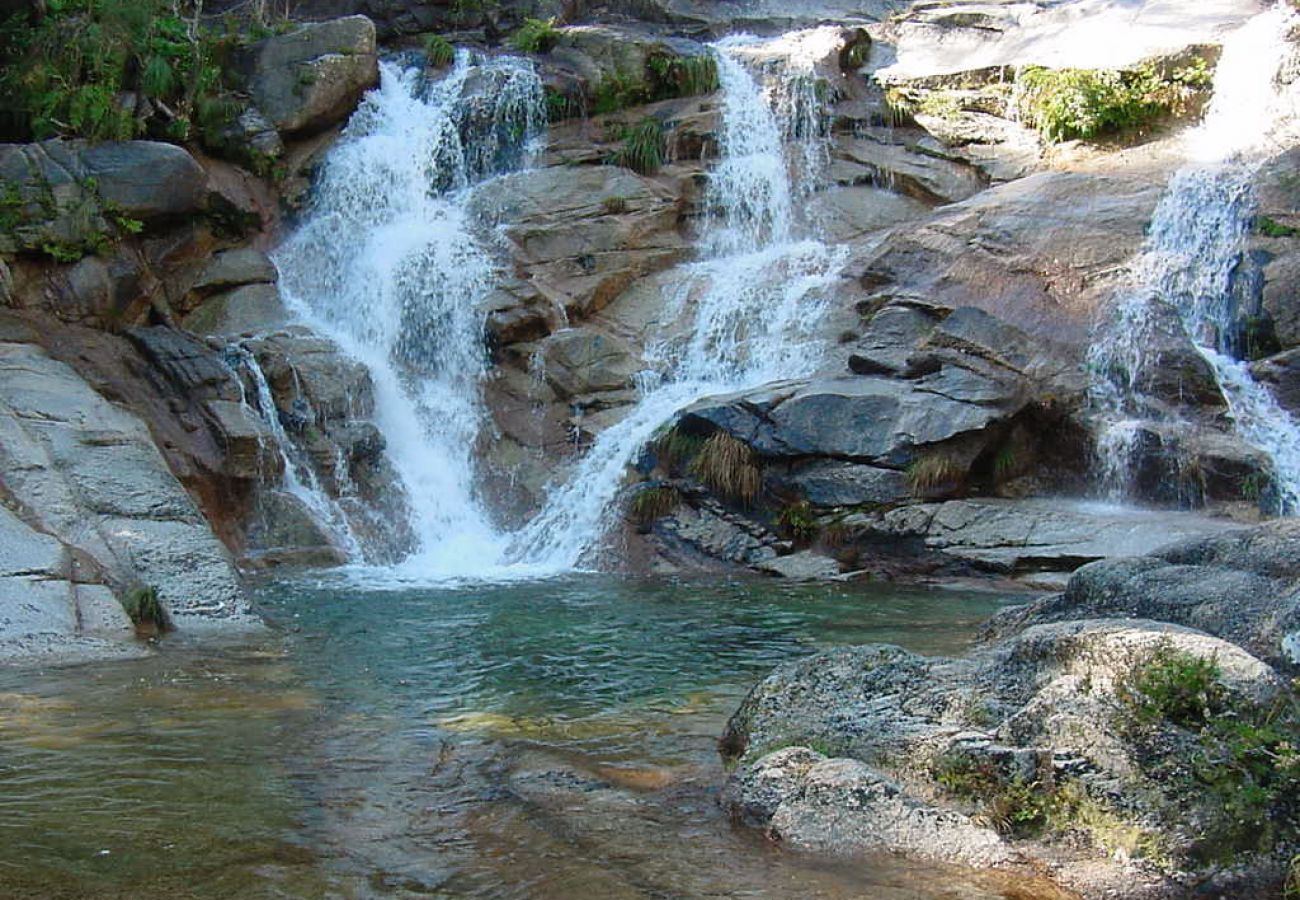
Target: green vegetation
(1174,686)
(675,449)
(618,91)
(1009,805)
(1085,103)
(1244,757)
(1269,228)
(797,521)
(107,69)
(439,50)
(644,146)
(1291,891)
(682,76)
(934,469)
(728,468)
(654,502)
(535,36)
(145,609)
(614,205)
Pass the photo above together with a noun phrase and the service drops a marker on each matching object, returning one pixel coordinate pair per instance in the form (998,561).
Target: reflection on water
(548,740)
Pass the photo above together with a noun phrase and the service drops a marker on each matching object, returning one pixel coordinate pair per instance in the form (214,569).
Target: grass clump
(935,470)
(682,76)
(104,69)
(440,51)
(644,147)
(728,468)
(675,449)
(145,609)
(614,205)
(1009,805)
(535,36)
(618,91)
(653,502)
(1063,104)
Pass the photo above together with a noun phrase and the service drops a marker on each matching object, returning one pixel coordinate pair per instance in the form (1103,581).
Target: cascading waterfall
(387,264)
(1193,247)
(752,303)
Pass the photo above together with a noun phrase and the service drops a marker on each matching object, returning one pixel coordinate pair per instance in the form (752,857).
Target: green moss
(535,36)
(439,50)
(617,91)
(1269,228)
(1064,104)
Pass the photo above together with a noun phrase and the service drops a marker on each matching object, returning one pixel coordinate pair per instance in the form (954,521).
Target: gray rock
(313,76)
(581,361)
(251,309)
(234,268)
(69,188)
(926,178)
(1241,585)
(829,482)
(92,478)
(802,566)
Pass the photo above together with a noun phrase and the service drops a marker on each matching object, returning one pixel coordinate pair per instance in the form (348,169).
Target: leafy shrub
(643,146)
(1175,686)
(69,74)
(727,467)
(535,36)
(1084,103)
(439,50)
(798,522)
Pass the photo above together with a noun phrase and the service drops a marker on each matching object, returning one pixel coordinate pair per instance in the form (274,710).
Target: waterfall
(752,303)
(298,478)
(388,264)
(1188,260)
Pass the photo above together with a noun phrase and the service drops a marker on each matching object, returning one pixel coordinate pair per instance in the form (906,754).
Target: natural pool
(551,739)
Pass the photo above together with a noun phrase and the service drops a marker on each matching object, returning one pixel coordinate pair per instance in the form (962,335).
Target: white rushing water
(387,264)
(1192,249)
(752,304)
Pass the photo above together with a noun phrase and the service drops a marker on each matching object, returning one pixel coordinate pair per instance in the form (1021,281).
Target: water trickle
(752,304)
(298,477)
(1188,262)
(389,264)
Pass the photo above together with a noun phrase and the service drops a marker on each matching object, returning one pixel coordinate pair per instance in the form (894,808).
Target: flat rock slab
(1028,535)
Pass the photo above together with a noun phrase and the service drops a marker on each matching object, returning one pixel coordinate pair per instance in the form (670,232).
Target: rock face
(86,475)
(312,77)
(1060,745)
(72,195)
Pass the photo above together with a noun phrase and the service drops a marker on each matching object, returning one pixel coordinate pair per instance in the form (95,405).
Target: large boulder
(69,197)
(312,77)
(88,473)
(1052,751)
(1240,585)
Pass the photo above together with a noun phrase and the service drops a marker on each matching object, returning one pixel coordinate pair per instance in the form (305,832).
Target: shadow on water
(549,739)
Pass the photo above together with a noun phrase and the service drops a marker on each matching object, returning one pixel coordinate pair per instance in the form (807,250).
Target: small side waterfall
(388,264)
(1187,264)
(752,303)
(298,479)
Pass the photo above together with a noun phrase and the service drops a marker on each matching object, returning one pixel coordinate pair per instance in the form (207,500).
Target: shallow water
(549,739)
